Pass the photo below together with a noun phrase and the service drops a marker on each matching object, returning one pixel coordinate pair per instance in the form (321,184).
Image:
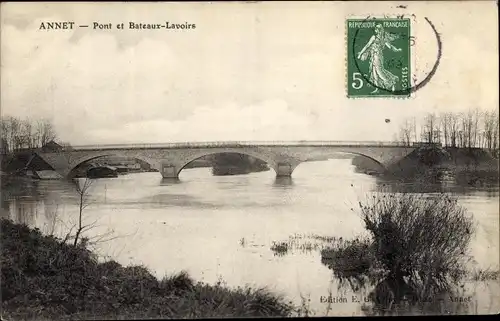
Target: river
(223,227)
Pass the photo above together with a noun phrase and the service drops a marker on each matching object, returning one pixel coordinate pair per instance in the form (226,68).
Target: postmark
(379,57)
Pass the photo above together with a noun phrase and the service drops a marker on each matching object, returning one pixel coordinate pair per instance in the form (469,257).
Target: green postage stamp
(378,57)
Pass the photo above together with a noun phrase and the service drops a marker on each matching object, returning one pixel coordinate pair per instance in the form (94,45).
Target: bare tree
(453,128)
(26,133)
(83,188)
(431,129)
(464,130)
(45,131)
(5,134)
(11,131)
(77,231)
(476,115)
(490,129)
(445,125)
(83,192)
(469,128)
(487,129)
(405,132)
(495,144)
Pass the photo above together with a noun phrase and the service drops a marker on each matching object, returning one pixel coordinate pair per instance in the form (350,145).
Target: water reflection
(382,293)
(25,210)
(14,188)
(170,181)
(385,296)
(434,186)
(283,181)
(5,205)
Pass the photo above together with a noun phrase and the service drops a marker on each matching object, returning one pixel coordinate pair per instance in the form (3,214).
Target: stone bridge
(170,159)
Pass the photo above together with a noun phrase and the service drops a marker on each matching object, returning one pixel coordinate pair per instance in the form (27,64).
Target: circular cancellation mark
(395,63)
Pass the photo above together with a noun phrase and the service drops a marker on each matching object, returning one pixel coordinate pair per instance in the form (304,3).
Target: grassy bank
(44,278)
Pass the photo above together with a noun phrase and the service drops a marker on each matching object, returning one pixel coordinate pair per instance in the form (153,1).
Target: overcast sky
(249,71)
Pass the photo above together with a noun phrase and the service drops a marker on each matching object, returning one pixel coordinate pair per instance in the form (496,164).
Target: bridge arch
(270,161)
(91,156)
(377,163)
(374,160)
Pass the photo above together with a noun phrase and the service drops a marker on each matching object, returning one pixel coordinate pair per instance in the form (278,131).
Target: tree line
(18,134)
(471,129)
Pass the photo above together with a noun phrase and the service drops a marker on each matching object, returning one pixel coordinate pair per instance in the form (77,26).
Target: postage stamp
(378,57)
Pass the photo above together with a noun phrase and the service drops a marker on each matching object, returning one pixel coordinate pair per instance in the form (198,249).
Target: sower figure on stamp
(379,76)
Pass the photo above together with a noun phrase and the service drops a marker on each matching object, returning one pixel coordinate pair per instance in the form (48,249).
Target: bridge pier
(169,171)
(284,170)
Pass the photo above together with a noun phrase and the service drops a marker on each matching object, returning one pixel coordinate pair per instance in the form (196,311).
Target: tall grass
(302,243)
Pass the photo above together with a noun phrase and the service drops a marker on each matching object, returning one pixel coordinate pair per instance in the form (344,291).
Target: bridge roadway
(283,156)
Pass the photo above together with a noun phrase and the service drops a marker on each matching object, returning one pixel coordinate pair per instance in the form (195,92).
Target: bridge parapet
(236,144)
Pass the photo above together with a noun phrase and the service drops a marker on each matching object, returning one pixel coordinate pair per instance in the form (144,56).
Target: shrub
(423,238)
(348,258)
(417,248)
(353,262)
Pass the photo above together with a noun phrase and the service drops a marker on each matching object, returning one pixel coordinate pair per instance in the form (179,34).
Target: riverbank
(45,278)
(466,166)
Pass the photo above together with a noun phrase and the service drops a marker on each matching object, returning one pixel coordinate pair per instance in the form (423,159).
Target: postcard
(249,159)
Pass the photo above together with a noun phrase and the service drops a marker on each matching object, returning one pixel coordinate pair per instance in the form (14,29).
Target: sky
(248,71)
